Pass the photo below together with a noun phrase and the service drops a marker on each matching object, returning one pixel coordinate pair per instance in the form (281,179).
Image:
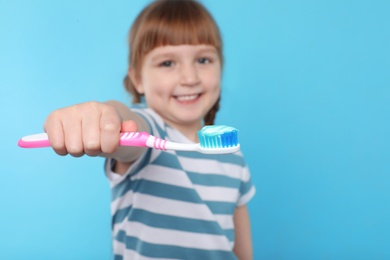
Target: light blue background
(306,82)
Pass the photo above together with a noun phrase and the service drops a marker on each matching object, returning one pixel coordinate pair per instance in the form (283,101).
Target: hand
(90,128)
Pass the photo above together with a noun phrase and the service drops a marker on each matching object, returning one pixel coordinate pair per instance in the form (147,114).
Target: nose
(189,74)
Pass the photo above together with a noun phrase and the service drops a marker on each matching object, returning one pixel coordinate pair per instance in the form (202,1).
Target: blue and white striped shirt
(177,205)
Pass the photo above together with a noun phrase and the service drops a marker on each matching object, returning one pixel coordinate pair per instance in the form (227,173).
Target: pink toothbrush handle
(141,139)
(134,139)
(34,141)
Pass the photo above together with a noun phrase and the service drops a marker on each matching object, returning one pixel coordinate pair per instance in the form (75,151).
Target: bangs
(180,28)
(174,24)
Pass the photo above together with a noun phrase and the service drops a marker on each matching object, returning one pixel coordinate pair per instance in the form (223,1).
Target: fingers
(63,128)
(73,137)
(90,128)
(54,130)
(90,134)
(110,124)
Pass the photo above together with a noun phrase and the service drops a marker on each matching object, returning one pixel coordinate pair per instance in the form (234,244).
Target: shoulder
(156,124)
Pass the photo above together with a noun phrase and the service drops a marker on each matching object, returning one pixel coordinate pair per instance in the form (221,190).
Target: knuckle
(53,116)
(110,127)
(61,152)
(57,146)
(59,149)
(92,145)
(109,149)
(92,152)
(75,150)
(92,105)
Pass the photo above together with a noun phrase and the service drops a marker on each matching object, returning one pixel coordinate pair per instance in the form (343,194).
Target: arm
(243,241)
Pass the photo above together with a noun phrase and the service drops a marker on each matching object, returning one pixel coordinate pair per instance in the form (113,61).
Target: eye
(204,60)
(166,63)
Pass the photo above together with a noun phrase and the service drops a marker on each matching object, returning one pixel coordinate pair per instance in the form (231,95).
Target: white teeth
(187,97)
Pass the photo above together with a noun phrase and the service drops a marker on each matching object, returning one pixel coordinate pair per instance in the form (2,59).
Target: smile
(187,97)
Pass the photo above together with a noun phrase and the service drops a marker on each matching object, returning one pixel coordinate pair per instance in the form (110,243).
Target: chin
(188,119)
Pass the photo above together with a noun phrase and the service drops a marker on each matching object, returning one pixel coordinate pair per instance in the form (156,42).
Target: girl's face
(181,83)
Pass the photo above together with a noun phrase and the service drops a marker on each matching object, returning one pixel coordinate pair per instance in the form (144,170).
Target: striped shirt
(177,205)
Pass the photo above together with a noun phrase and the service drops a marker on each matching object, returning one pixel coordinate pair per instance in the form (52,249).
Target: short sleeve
(247,189)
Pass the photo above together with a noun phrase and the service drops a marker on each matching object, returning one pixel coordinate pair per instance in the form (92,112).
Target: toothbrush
(214,139)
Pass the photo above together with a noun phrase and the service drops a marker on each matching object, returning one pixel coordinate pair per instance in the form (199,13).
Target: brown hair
(171,22)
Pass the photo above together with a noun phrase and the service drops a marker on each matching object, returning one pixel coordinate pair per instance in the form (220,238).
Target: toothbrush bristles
(218,137)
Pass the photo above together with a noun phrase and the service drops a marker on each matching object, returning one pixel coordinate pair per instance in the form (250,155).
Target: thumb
(129,126)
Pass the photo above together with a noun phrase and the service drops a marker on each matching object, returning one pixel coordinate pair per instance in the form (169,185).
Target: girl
(166,204)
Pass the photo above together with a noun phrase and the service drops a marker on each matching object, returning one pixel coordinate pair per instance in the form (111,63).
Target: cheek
(214,84)
(150,81)
(156,87)
(216,91)
(212,78)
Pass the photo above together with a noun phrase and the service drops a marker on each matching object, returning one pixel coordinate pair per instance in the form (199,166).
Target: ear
(136,80)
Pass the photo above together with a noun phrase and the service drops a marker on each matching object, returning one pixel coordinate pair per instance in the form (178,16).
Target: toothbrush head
(218,139)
